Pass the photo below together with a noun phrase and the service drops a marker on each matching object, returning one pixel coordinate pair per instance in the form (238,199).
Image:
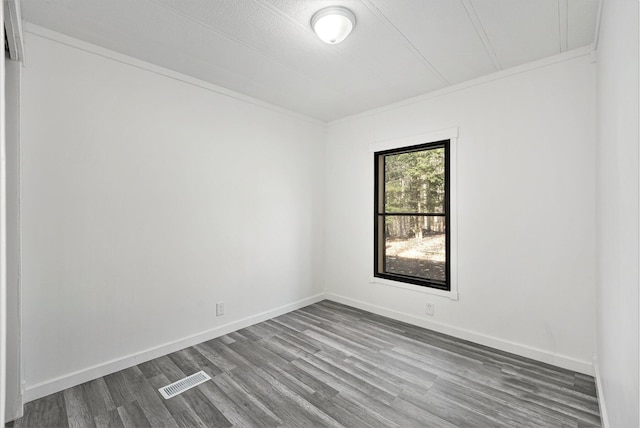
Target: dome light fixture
(333,24)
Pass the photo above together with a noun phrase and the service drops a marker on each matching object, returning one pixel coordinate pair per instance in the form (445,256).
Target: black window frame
(379,214)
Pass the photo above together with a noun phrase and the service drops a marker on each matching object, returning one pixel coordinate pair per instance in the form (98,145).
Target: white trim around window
(450,134)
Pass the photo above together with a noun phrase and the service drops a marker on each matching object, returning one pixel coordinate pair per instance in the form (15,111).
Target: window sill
(453,295)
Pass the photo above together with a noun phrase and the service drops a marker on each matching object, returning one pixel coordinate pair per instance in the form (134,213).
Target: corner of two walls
(146,200)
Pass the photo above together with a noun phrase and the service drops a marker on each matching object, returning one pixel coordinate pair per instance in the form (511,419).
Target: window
(412,222)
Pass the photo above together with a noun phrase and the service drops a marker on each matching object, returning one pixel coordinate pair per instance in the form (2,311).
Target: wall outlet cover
(430,309)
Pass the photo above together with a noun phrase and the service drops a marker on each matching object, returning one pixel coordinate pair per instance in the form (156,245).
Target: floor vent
(183,384)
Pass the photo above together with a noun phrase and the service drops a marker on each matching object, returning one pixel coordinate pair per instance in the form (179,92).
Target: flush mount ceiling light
(333,24)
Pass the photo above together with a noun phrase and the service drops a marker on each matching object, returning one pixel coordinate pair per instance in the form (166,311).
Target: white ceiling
(267,49)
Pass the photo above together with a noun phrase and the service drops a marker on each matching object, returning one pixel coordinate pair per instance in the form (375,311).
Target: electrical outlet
(219,309)
(429,309)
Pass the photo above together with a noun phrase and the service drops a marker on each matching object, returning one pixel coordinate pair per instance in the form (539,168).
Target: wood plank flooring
(330,365)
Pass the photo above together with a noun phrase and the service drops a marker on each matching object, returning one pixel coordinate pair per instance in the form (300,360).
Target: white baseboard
(604,418)
(34,392)
(563,361)
(43,389)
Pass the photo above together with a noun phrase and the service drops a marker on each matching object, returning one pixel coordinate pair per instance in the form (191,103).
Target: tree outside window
(412,222)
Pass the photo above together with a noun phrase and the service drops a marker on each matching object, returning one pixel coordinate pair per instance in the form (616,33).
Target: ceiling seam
(239,42)
(477,24)
(478,81)
(335,48)
(563,24)
(374,9)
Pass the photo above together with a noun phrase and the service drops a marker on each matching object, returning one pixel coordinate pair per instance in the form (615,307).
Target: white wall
(3,248)
(146,200)
(526,220)
(13,397)
(617,213)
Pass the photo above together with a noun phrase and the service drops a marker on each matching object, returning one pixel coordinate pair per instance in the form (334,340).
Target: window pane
(415,182)
(415,246)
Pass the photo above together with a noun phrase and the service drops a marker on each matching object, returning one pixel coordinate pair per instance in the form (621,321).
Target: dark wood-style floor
(330,365)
